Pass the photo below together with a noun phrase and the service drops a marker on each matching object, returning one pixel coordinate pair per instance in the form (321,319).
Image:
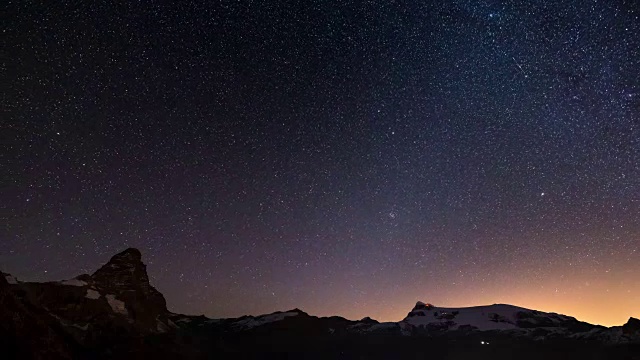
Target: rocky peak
(298,311)
(422,306)
(125,271)
(368,320)
(632,326)
(128,261)
(8,278)
(125,278)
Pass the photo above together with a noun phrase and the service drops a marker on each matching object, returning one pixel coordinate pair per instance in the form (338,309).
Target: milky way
(343,158)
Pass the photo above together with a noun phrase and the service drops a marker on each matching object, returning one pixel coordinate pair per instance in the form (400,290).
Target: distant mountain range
(115,313)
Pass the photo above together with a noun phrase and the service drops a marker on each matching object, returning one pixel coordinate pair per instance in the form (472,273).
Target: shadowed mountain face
(125,278)
(116,313)
(117,295)
(28,331)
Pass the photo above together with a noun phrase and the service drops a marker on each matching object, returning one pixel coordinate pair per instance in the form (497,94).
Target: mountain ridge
(117,308)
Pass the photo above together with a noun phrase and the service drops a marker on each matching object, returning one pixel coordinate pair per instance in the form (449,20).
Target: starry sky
(346,158)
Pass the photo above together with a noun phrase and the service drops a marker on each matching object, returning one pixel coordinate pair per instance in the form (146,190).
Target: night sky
(345,158)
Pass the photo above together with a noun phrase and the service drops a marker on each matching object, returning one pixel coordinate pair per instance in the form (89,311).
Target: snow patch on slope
(92,294)
(80,327)
(11,279)
(161,327)
(73,282)
(116,305)
(261,320)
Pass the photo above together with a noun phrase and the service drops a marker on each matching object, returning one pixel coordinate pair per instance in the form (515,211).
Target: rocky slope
(28,331)
(115,307)
(116,313)
(118,294)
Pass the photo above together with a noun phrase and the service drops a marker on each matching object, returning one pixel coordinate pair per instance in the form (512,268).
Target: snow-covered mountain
(488,317)
(431,321)
(513,321)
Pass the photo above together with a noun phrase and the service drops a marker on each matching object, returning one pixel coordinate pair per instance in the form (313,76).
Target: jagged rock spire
(124,269)
(125,276)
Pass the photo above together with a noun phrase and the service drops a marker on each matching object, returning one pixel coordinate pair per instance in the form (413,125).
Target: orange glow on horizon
(605,300)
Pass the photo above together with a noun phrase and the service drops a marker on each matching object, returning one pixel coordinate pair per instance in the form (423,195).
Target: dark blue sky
(343,158)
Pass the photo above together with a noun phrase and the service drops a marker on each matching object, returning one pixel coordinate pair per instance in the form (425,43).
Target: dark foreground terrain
(115,313)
